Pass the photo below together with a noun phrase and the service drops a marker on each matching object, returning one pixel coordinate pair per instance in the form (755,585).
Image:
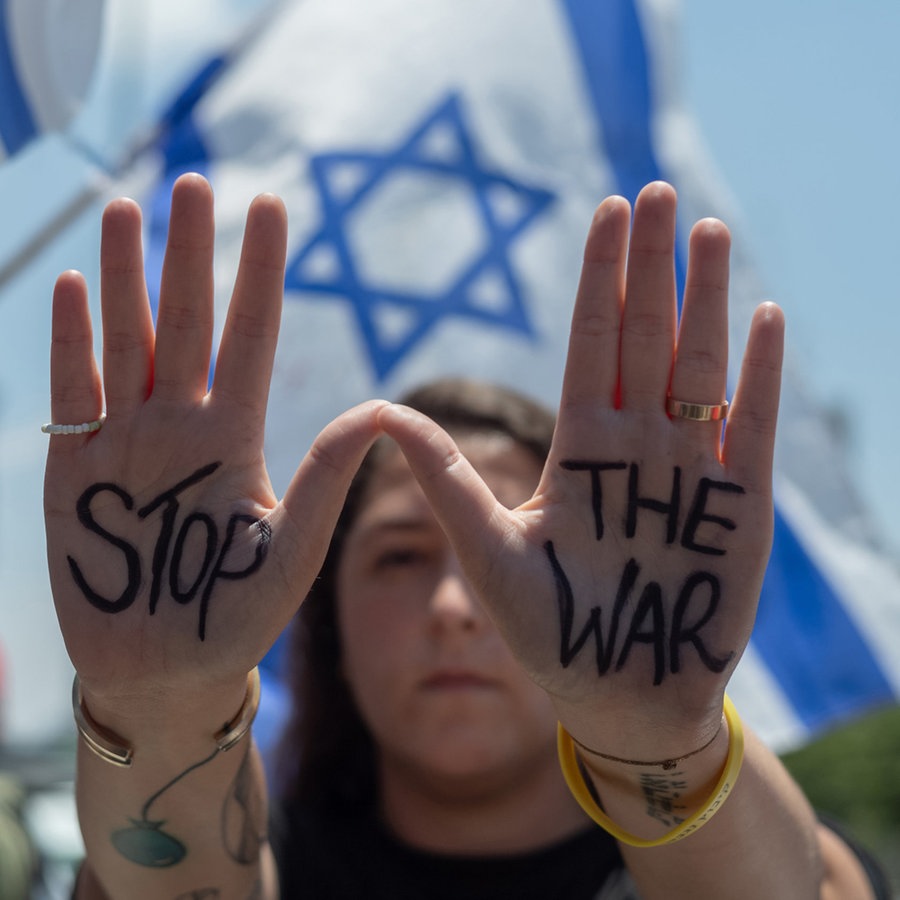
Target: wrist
(159,724)
(680,784)
(678,802)
(641,733)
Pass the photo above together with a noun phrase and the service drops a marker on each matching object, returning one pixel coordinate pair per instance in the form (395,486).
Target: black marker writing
(185,595)
(698,514)
(649,611)
(264,531)
(594,468)
(132,558)
(170,513)
(668,507)
(169,549)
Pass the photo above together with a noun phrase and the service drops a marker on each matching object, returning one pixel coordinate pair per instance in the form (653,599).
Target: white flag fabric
(48,51)
(440,162)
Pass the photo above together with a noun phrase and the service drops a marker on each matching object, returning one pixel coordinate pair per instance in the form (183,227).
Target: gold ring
(696,412)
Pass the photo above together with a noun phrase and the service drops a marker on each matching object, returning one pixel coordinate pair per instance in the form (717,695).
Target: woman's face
(433,680)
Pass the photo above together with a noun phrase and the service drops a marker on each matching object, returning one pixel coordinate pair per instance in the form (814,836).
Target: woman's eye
(399,558)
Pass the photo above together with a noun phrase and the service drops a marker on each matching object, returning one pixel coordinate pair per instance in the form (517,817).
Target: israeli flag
(440,163)
(48,51)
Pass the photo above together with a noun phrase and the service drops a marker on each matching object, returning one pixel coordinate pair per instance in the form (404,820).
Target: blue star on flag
(480,283)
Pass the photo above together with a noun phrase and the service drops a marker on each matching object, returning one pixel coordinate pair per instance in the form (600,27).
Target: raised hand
(172,564)
(627,586)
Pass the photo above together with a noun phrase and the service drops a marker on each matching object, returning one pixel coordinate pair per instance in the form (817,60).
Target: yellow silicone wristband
(568,760)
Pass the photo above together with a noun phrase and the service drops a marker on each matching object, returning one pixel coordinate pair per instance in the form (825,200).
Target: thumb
(305,519)
(475,522)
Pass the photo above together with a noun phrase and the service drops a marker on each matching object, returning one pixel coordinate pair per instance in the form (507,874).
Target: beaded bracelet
(568,761)
(115,750)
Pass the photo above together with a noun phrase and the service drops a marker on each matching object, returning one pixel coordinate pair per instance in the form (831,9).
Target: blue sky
(798,105)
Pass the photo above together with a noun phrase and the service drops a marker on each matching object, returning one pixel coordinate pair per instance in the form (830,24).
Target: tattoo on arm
(144,842)
(166,566)
(243,817)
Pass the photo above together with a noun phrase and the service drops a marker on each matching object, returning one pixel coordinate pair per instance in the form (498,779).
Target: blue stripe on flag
(809,643)
(616,66)
(17,126)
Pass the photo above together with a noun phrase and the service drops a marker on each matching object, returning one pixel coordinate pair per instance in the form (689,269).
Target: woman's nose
(453,603)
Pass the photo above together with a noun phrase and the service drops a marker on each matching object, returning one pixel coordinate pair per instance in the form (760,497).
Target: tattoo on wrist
(697,599)
(663,793)
(167,564)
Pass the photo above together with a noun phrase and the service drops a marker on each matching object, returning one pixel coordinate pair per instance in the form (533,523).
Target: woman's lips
(450,680)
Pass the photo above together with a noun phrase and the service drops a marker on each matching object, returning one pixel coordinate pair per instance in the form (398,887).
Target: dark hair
(327,757)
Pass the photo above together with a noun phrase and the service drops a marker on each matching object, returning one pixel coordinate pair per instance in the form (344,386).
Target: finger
(750,433)
(247,351)
(127,323)
(185,317)
(316,494)
(592,363)
(648,321)
(75,392)
(700,373)
(463,504)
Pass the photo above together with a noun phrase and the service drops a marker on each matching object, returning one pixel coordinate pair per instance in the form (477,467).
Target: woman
(624,589)
(436,805)
(444,735)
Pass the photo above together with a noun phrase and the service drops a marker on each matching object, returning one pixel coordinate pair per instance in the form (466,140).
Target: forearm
(764,841)
(185,820)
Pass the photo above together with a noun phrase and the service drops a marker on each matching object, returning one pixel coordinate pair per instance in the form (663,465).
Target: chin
(458,783)
(464,764)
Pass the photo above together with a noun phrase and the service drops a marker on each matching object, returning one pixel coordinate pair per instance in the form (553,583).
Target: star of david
(392,319)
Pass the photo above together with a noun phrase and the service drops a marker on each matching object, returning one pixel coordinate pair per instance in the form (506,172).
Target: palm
(169,555)
(627,585)
(655,553)
(140,485)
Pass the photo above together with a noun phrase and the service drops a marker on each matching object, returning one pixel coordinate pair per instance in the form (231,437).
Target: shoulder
(849,862)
